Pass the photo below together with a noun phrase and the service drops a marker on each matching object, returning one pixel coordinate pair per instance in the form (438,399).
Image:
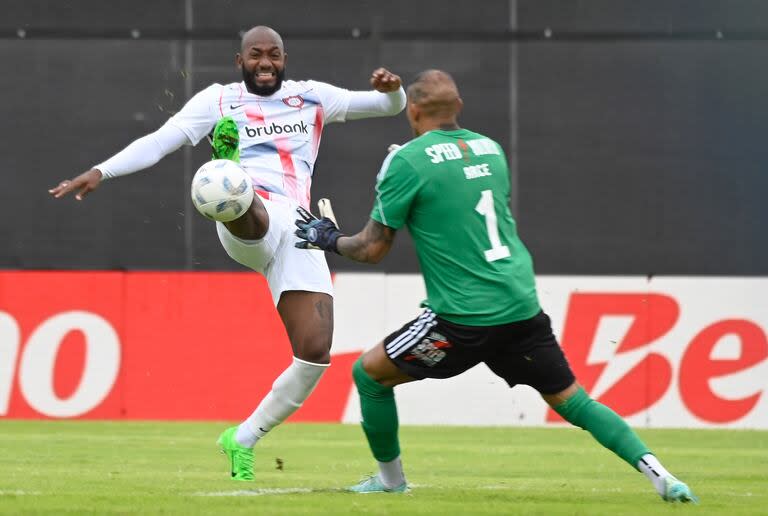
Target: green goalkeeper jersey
(451,189)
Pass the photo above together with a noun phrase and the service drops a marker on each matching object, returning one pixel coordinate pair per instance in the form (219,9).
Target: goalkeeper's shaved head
(433,102)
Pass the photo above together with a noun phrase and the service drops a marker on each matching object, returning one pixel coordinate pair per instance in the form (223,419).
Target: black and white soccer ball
(221,190)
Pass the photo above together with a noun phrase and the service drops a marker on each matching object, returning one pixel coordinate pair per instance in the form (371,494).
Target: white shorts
(275,256)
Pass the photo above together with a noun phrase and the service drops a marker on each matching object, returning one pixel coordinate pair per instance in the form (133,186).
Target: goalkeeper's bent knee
(368,386)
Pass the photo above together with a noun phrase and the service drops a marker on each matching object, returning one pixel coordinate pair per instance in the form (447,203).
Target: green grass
(174,468)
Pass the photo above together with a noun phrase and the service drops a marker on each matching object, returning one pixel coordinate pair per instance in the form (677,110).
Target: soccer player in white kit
(278,124)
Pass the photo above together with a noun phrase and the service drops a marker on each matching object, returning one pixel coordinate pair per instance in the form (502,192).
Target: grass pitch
(174,468)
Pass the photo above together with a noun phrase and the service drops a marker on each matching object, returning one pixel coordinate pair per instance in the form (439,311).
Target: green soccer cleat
(226,140)
(677,491)
(240,457)
(373,484)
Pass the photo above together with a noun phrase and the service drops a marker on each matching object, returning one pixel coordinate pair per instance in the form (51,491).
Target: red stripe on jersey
(286,160)
(307,193)
(255,114)
(221,95)
(318,129)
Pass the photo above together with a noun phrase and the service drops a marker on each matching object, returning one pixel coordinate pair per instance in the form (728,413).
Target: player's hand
(385,81)
(316,233)
(83,184)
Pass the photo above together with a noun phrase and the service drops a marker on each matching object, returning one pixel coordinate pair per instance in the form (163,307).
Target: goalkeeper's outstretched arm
(369,245)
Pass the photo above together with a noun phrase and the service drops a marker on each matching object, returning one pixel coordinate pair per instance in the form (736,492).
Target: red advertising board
(147,345)
(653,315)
(679,352)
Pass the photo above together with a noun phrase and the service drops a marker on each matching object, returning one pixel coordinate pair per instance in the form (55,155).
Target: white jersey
(279,134)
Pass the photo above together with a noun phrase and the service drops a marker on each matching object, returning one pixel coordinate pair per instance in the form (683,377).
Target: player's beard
(264,91)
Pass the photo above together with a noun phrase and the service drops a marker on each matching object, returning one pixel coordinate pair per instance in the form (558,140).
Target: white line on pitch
(258,492)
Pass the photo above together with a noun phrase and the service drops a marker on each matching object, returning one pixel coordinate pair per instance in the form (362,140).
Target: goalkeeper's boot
(240,457)
(677,491)
(374,484)
(226,140)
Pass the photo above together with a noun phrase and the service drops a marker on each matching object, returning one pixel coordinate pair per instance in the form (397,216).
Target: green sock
(377,406)
(605,425)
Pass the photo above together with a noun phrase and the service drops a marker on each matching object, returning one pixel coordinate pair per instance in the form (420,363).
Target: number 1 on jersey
(485,208)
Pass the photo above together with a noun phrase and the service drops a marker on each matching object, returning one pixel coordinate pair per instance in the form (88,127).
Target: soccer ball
(221,190)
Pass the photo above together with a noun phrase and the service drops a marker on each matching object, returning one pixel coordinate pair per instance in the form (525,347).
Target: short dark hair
(435,92)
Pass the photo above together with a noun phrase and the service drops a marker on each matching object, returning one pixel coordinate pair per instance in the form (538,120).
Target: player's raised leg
(610,430)
(254,223)
(375,376)
(226,140)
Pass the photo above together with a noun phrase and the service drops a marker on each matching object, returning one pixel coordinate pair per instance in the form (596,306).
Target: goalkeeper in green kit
(450,187)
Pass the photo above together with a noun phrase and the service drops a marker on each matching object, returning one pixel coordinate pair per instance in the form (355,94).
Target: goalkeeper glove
(316,233)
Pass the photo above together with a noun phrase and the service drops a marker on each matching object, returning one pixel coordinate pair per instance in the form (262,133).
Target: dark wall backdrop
(635,130)
(642,136)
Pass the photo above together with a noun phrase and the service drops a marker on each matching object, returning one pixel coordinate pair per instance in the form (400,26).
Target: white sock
(288,393)
(391,473)
(655,472)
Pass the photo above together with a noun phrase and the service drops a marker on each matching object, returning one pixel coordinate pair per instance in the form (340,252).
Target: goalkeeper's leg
(375,376)
(538,360)
(610,430)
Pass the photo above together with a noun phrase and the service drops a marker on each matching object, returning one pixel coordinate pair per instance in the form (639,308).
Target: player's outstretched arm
(83,184)
(386,99)
(140,154)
